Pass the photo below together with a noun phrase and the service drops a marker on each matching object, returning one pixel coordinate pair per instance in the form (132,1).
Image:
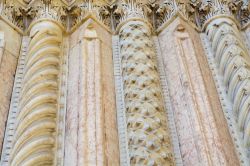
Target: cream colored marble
(193,106)
(35,124)
(65,50)
(91,130)
(148,136)
(232,60)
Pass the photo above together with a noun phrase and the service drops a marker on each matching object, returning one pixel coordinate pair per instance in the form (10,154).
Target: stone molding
(167,101)
(231,61)
(120,104)
(8,138)
(110,13)
(225,103)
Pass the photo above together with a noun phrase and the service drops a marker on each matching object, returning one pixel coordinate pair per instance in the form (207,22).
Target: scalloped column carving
(233,63)
(197,114)
(34,134)
(147,131)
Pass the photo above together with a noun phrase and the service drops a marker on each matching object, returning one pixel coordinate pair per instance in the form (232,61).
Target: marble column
(233,63)
(147,129)
(34,137)
(91,127)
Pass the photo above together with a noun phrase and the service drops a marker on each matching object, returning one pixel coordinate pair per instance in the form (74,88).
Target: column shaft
(233,63)
(34,136)
(148,136)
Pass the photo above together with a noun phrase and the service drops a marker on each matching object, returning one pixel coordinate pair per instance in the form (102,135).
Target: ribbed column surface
(233,63)
(148,136)
(34,137)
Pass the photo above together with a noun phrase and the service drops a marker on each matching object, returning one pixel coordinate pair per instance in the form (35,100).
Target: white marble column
(147,130)
(233,64)
(35,123)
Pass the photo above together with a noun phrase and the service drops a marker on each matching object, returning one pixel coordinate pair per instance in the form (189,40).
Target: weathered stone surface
(80,47)
(196,107)
(91,95)
(8,62)
(147,129)
(7,76)
(232,62)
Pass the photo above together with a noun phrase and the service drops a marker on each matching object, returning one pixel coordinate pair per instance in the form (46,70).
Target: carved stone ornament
(112,12)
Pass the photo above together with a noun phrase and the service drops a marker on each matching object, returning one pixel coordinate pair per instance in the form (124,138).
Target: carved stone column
(233,63)
(35,123)
(148,135)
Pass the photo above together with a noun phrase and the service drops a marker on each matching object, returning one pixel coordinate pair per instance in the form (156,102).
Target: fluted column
(148,135)
(233,62)
(35,124)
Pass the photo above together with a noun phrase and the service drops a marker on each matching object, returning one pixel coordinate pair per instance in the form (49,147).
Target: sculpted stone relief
(34,140)
(110,12)
(148,137)
(232,60)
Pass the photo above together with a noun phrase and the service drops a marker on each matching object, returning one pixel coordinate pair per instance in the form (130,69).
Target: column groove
(36,123)
(233,63)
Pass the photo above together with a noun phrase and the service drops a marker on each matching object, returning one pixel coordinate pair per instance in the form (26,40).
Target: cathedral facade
(125,82)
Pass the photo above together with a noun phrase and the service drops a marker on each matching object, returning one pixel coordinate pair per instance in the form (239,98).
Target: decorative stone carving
(10,10)
(71,13)
(49,9)
(148,137)
(129,9)
(165,12)
(35,128)
(233,60)
(99,9)
(245,13)
(34,139)
(192,99)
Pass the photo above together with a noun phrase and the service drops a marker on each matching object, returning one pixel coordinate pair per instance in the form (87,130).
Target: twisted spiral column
(233,63)
(34,136)
(148,135)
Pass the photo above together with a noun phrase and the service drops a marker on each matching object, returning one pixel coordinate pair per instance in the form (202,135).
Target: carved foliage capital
(127,9)
(100,9)
(112,12)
